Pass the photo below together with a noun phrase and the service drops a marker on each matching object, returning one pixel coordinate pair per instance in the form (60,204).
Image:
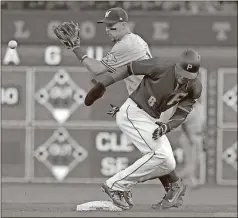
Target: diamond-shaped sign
(230,155)
(61,96)
(230,98)
(60,153)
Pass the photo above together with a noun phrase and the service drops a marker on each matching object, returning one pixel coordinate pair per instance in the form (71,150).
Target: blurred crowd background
(193,7)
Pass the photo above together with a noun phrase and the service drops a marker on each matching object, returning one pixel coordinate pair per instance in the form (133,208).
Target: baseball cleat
(128,198)
(160,206)
(174,196)
(116,196)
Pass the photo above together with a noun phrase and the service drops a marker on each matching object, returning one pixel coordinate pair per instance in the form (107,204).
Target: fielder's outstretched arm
(148,67)
(120,74)
(119,56)
(94,66)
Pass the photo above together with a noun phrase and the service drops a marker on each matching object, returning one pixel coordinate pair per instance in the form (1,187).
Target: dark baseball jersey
(160,91)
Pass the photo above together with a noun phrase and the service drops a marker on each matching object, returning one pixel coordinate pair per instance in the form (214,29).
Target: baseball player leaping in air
(128,47)
(162,87)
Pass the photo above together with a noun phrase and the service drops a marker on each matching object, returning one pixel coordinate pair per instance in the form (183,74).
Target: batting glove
(162,129)
(113,110)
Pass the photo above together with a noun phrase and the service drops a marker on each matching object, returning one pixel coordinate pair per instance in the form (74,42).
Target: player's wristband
(80,54)
(129,69)
(84,57)
(168,127)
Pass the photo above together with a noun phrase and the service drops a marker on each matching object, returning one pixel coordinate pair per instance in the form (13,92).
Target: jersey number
(176,98)
(151,101)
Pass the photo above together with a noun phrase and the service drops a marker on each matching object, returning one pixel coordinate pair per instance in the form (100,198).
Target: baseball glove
(95,93)
(68,34)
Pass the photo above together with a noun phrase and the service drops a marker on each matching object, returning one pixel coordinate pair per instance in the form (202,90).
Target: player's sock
(165,182)
(172,177)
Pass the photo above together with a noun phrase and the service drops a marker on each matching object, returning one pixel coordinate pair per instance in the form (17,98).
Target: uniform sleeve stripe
(176,119)
(183,109)
(111,69)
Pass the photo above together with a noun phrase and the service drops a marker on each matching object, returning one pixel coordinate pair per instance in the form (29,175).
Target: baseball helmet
(189,64)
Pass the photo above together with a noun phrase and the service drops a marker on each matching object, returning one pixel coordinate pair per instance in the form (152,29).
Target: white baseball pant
(157,154)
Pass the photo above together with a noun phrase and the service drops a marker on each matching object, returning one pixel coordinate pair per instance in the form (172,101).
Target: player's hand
(162,129)
(68,34)
(95,93)
(113,110)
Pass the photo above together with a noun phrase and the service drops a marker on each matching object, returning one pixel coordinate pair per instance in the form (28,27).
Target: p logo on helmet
(190,66)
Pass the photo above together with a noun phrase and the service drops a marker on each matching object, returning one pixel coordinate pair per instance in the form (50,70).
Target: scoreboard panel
(47,55)
(57,55)
(14,95)
(227,126)
(13,150)
(157,28)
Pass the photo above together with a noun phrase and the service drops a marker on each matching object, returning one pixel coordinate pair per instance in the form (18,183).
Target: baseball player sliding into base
(163,87)
(128,47)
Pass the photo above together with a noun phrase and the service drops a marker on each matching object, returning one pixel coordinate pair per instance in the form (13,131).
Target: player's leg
(170,180)
(188,149)
(191,141)
(165,180)
(154,175)
(139,126)
(194,157)
(123,180)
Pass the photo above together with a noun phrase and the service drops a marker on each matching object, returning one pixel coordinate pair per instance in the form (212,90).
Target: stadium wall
(48,135)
